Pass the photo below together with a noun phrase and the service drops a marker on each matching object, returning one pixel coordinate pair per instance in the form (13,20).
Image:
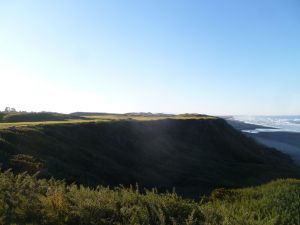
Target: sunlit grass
(102,118)
(22,124)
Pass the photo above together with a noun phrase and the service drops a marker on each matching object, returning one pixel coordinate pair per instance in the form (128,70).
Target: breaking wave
(281,123)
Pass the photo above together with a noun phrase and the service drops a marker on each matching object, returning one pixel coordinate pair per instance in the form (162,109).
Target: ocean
(272,123)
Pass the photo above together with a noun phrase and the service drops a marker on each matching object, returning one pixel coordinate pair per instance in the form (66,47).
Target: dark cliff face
(194,156)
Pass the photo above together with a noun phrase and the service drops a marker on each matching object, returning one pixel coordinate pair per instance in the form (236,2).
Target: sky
(215,57)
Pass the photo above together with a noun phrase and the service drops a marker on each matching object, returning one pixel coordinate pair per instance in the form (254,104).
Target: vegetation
(25,199)
(24,119)
(193,155)
(12,117)
(275,203)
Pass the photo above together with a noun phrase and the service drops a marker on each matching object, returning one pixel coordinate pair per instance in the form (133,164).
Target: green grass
(27,200)
(12,117)
(13,120)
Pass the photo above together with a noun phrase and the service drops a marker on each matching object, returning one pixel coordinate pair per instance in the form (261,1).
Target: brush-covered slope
(193,155)
(27,200)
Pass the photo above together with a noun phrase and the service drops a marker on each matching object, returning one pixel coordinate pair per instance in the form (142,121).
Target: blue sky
(215,57)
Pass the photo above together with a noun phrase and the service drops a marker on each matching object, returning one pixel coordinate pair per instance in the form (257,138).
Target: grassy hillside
(193,155)
(24,119)
(12,117)
(27,200)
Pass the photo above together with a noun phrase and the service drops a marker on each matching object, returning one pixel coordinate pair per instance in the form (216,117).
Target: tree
(8,109)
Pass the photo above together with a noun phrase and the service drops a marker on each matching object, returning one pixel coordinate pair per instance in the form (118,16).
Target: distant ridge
(125,114)
(92,114)
(138,114)
(148,114)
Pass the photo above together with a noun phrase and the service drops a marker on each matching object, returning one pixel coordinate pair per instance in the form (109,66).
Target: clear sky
(214,56)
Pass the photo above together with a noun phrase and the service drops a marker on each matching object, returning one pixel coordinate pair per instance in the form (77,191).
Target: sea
(271,123)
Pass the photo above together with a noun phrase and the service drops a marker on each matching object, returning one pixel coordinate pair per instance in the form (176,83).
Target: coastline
(284,141)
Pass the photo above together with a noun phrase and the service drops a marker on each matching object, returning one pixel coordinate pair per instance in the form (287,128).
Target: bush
(25,199)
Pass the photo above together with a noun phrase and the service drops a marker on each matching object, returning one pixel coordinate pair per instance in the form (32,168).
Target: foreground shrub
(27,200)
(24,199)
(276,203)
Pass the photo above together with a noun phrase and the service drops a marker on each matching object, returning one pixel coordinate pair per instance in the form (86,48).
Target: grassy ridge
(13,117)
(193,155)
(27,200)
(20,119)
